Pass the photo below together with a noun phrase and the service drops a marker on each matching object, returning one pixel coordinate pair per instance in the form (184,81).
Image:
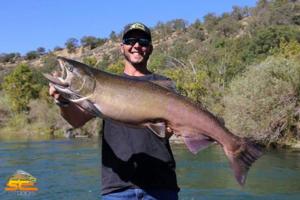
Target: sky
(29,24)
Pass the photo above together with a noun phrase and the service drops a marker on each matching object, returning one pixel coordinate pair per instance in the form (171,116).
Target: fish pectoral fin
(158,128)
(241,160)
(197,142)
(91,108)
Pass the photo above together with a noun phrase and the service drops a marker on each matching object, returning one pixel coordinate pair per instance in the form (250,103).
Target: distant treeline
(243,66)
(240,21)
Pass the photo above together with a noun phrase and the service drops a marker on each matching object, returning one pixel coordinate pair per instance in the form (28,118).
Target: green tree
(239,13)
(100,41)
(227,25)
(177,25)
(210,21)
(113,36)
(161,30)
(31,55)
(283,12)
(89,41)
(41,50)
(9,57)
(57,48)
(21,86)
(197,31)
(71,44)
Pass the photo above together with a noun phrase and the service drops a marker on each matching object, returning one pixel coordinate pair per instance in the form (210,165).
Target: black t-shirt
(136,157)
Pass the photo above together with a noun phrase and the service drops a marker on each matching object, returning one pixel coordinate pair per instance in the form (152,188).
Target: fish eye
(69,67)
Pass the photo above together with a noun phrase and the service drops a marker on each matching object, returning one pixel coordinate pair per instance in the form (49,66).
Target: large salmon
(143,103)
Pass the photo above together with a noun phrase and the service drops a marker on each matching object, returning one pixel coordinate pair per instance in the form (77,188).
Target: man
(136,164)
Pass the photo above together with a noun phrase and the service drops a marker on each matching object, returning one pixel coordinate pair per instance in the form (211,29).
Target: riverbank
(16,136)
(296,145)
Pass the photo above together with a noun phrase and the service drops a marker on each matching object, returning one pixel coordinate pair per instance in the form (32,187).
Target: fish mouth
(60,78)
(55,80)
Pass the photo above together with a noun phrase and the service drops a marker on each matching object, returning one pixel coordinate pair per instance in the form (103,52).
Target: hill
(212,62)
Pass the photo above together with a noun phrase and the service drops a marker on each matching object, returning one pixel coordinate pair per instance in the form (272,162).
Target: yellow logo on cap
(138,26)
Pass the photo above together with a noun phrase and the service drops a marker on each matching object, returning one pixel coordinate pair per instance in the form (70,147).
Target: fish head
(75,81)
(78,76)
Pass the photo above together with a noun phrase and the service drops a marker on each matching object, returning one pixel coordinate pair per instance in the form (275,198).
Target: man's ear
(122,48)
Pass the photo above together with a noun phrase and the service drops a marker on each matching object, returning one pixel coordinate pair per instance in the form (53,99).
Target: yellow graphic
(137,26)
(21,181)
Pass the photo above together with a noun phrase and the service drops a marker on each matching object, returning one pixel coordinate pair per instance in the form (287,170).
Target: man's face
(136,50)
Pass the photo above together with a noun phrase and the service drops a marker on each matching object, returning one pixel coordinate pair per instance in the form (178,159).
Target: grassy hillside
(242,65)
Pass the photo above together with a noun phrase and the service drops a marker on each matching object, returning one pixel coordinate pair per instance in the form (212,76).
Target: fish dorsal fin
(196,143)
(158,128)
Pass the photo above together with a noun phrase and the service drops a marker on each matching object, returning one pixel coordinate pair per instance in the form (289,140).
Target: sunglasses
(144,42)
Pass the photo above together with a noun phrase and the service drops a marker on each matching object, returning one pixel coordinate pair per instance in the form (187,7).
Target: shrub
(289,49)
(157,61)
(21,85)
(46,122)
(17,122)
(50,63)
(91,61)
(262,102)
(4,108)
(116,68)
(104,62)
(190,84)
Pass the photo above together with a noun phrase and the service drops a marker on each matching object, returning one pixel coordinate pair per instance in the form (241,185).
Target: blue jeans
(140,194)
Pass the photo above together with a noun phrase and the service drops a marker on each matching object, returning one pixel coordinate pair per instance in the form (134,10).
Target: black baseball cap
(137,26)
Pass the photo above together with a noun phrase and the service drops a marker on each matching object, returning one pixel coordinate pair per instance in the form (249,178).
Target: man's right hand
(53,92)
(71,112)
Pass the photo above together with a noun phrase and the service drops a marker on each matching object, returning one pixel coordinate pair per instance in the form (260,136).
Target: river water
(69,169)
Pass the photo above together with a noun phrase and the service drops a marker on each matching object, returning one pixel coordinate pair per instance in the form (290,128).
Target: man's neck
(136,70)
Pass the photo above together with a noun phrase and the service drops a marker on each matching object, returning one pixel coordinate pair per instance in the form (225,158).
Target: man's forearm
(75,115)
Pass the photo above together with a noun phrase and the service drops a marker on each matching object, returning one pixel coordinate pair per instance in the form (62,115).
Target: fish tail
(242,159)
